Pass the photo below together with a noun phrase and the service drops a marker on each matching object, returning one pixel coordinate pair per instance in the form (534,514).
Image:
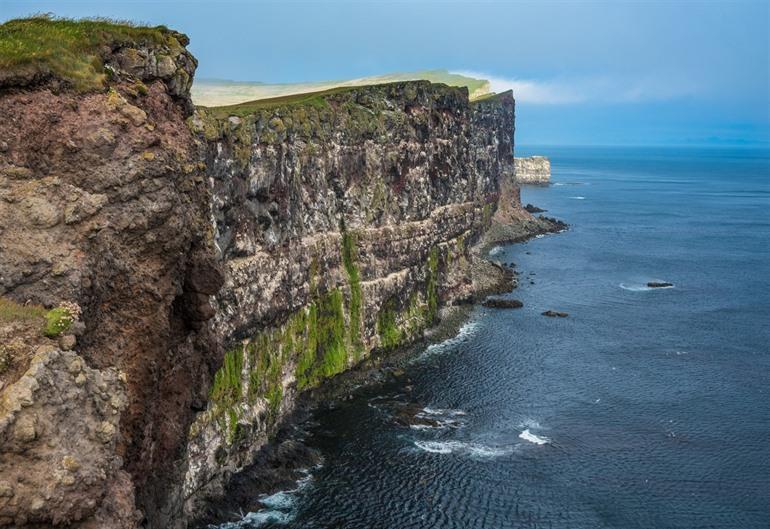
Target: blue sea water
(645,408)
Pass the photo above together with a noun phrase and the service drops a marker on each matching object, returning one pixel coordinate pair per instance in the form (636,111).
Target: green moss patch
(349,256)
(57,322)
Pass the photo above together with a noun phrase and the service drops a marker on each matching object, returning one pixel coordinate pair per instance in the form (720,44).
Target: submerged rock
(502,303)
(555,314)
(534,209)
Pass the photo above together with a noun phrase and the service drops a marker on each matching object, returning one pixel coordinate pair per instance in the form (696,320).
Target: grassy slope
(68,49)
(249,107)
(214,93)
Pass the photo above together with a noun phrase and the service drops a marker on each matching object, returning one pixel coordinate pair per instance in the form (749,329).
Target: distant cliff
(532,170)
(224,259)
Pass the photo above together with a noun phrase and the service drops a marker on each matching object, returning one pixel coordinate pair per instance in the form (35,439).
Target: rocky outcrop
(59,433)
(533,170)
(225,261)
(103,202)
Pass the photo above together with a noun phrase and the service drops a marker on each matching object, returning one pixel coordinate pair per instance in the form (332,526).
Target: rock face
(533,170)
(225,261)
(103,202)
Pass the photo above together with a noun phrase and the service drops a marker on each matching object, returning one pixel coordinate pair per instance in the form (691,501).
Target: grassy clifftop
(36,48)
(212,93)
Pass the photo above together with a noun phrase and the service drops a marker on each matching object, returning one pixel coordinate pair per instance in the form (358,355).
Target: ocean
(644,408)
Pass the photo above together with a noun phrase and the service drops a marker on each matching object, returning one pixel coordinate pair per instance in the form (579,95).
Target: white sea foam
(466,331)
(438,447)
(496,250)
(459,447)
(279,500)
(532,438)
(530,423)
(640,288)
(578,198)
(439,419)
(280,508)
(258,519)
(438,411)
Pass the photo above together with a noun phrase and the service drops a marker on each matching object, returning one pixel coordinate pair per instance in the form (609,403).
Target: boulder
(534,209)
(555,314)
(502,303)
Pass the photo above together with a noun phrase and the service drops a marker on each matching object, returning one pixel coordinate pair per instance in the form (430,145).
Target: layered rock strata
(533,170)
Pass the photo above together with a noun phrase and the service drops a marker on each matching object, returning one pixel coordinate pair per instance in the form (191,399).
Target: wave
(466,331)
(530,423)
(532,438)
(258,519)
(280,508)
(578,198)
(568,183)
(439,411)
(641,288)
(439,419)
(459,447)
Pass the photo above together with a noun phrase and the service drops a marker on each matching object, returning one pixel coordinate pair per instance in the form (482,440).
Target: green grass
(10,311)
(390,334)
(313,99)
(491,97)
(226,389)
(69,49)
(349,255)
(215,93)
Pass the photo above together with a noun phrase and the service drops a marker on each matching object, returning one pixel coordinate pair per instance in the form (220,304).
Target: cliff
(533,170)
(224,261)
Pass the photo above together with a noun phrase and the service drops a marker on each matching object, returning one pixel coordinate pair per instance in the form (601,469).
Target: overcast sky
(582,72)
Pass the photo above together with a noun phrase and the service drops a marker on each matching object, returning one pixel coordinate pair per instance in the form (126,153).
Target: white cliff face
(532,170)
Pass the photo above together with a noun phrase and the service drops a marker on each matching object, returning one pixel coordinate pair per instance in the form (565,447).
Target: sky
(583,73)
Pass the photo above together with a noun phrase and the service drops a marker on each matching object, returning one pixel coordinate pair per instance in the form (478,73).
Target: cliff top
(42,48)
(319,99)
(217,92)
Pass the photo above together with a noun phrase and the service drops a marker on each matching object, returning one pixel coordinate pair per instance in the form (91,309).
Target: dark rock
(555,313)
(659,284)
(534,209)
(502,303)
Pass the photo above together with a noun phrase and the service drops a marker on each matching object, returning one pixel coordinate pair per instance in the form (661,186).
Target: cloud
(598,89)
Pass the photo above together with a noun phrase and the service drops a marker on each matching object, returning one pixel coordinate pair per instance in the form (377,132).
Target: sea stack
(535,170)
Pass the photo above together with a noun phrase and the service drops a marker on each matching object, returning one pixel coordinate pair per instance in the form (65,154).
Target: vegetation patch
(349,256)
(432,286)
(387,327)
(316,100)
(10,311)
(59,320)
(68,49)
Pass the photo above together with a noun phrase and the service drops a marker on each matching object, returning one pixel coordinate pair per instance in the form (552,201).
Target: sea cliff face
(224,260)
(343,224)
(533,170)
